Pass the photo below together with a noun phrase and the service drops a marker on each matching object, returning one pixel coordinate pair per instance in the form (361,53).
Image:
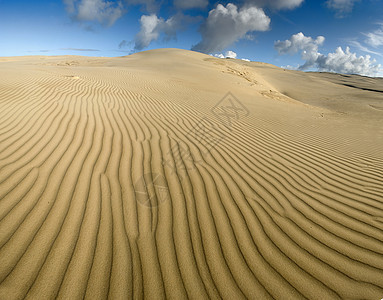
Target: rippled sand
(172,174)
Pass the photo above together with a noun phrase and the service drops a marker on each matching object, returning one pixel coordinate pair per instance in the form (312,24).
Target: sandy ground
(172,174)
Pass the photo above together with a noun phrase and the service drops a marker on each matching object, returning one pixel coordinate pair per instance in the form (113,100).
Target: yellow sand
(121,178)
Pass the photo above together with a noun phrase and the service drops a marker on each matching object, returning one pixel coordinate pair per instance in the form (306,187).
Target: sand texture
(173,174)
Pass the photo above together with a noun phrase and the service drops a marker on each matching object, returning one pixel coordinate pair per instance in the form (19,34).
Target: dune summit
(173,174)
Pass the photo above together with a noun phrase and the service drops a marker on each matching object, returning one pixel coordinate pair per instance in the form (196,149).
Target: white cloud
(341,6)
(348,63)
(375,38)
(228,54)
(226,25)
(299,42)
(339,61)
(152,27)
(289,67)
(276,4)
(105,12)
(188,4)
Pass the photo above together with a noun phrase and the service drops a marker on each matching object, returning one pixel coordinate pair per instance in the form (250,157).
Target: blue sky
(297,34)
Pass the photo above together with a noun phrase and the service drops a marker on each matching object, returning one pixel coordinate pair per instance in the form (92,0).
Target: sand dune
(172,174)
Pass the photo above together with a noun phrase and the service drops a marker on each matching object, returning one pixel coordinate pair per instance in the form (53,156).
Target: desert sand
(173,174)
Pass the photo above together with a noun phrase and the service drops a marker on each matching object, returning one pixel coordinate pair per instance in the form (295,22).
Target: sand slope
(135,177)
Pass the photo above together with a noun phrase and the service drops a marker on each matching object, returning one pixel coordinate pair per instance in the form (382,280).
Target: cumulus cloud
(228,54)
(152,27)
(187,4)
(150,31)
(339,61)
(299,42)
(348,63)
(226,25)
(375,38)
(341,7)
(104,12)
(276,4)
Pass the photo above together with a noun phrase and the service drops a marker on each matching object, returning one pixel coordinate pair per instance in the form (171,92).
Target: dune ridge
(283,202)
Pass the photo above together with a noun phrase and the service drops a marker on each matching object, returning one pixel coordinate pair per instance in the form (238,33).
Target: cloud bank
(226,25)
(339,61)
